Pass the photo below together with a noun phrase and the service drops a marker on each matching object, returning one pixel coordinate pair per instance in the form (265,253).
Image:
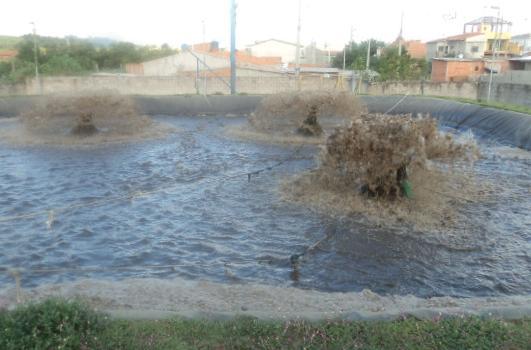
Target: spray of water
(84,118)
(286,112)
(363,167)
(299,117)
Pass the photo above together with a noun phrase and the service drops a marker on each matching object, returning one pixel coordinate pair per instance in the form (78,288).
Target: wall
(456,70)
(426,88)
(508,92)
(438,70)
(511,77)
(474,42)
(518,94)
(174,85)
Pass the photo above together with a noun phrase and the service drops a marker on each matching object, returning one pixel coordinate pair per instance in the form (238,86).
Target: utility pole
(344,56)
(400,35)
(204,60)
(233,47)
(298,49)
(493,56)
(368,55)
(36,58)
(349,46)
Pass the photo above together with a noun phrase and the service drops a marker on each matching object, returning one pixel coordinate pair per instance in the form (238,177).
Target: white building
(467,45)
(185,61)
(275,47)
(200,60)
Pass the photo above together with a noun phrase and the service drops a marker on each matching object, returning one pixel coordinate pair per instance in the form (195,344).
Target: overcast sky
(324,21)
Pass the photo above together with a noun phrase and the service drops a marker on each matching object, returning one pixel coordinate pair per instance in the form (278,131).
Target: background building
(204,58)
(524,42)
(274,47)
(479,39)
(468,45)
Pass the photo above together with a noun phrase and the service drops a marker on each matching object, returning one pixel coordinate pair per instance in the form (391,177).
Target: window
(474,49)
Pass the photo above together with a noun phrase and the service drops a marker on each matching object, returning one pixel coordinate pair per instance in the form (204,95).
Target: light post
(36,58)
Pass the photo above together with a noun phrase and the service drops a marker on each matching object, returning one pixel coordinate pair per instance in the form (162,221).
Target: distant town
(484,45)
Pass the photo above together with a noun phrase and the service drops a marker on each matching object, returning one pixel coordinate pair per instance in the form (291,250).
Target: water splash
(88,118)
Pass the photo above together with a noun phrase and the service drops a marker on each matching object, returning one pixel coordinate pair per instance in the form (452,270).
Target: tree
(391,66)
(71,55)
(356,55)
(62,65)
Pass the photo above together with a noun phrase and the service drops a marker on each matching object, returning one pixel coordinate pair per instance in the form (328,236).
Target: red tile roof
(8,54)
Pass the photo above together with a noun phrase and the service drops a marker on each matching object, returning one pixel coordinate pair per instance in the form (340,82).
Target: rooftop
(8,53)
(459,37)
(455,59)
(522,36)
(272,39)
(490,20)
(521,59)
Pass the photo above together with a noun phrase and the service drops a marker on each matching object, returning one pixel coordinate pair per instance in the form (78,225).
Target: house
(415,48)
(521,63)
(497,33)
(8,55)
(275,47)
(465,69)
(456,69)
(464,46)
(316,57)
(484,47)
(524,42)
(481,37)
(204,58)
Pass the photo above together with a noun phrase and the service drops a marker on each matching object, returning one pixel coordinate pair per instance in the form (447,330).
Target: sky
(330,23)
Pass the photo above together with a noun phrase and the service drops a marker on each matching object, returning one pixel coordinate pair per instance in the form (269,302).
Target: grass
(492,104)
(57,324)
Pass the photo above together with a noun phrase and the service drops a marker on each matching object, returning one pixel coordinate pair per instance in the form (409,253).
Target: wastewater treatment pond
(184,206)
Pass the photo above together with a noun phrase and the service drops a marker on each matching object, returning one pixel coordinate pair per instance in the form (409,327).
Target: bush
(52,324)
(22,71)
(62,65)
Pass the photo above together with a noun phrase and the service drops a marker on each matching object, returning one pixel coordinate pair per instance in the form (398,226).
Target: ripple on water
(239,231)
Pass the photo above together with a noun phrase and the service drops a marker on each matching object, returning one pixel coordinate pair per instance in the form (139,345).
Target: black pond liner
(508,127)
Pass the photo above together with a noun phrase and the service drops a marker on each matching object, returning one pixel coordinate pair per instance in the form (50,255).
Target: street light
(36,58)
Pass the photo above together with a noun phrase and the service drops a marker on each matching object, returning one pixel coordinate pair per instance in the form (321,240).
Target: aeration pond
(197,204)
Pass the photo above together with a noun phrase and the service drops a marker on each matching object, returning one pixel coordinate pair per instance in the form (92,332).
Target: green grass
(56,324)
(492,104)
